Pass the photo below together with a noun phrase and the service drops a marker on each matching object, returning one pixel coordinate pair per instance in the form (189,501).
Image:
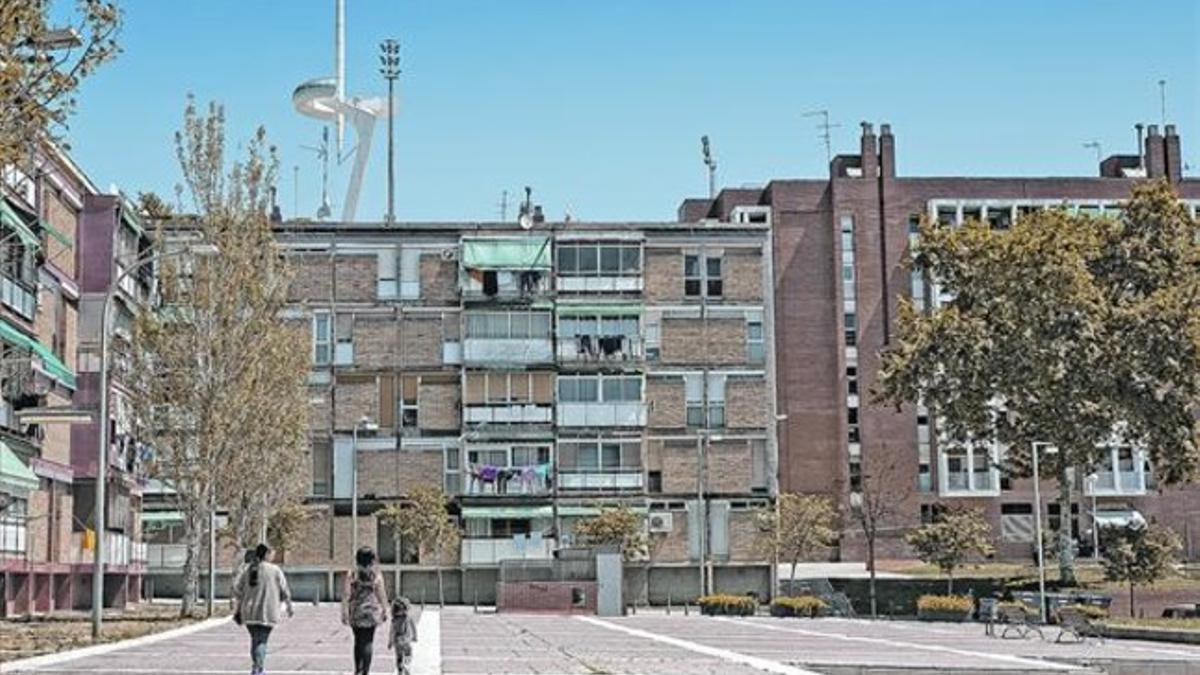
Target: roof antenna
(1162,100)
(825,136)
(326,209)
(712,166)
(503,206)
(525,220)
(1097,147)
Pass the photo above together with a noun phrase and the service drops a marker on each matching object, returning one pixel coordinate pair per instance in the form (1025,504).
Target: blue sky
(600,105)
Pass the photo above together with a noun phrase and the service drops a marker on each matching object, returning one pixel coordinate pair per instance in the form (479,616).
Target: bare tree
(879,507)
(218,376)
(796,527)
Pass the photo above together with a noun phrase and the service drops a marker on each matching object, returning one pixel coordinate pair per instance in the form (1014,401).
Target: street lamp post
(1093,480)
(103,421)
(1037,520)
(389,68)
(367,425)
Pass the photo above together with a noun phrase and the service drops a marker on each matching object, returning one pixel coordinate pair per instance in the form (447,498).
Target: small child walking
(402,635)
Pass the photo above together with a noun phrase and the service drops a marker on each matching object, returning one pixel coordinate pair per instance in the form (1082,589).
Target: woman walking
(259,592)
(363,602)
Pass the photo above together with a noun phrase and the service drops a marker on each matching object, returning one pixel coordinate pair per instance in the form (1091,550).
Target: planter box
(955,617)
(708,610)
(787,613)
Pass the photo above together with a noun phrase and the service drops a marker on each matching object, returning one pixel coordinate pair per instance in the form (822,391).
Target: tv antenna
(711,164)
(503,206)
(825,127)
(1162,100)
(322,152)
(1095,145)
(295,190)
(525,220)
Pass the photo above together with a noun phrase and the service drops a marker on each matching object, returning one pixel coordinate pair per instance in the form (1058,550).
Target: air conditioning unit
(449,253)
(662,522)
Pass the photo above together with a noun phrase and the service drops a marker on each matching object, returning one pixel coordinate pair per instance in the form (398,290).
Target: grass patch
(1175,624)
(23,638)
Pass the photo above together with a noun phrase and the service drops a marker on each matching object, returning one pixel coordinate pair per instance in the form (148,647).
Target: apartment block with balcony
(45,489)
(839,244)
(536,376)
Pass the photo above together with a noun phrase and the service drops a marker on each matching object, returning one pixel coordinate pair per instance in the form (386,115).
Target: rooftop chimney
(1156,161)
(1173,157)
(887,151)
(870,152)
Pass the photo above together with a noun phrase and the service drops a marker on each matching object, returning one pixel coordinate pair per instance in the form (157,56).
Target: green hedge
(728,605)
(802,606)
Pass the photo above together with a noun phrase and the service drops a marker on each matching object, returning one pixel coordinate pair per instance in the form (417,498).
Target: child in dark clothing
(403,634)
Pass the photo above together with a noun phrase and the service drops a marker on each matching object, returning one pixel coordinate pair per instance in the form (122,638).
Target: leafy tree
(425,521)
(620,527)
(949,541)
(1139,555)
(218,377)
(796,527)
(1068,329)
(38,81)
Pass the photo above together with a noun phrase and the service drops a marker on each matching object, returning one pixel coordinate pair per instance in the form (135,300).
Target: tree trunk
(792,587)
(191,564)
(1066,547)
(1132,612)
(950,582)
(871,570)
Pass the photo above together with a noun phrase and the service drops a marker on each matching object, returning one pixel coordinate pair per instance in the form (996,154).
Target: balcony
(1112,484)
(601,350)
(490,481)
(506,351)
(505,286)
(492,551)
(507,414)
(600,481)
(19,297)
(622,414)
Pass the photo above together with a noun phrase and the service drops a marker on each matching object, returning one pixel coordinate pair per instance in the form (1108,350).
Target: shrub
(955,604)
(1091,611)
(728,605)
(804,605)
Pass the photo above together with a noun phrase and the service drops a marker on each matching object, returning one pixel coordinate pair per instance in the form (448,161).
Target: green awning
(50,364)
(12,219)
(162,517)
(525,253)
(611,309)
(479,512)
(14,475)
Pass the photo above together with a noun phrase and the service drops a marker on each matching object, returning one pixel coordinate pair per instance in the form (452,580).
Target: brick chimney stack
(870,152)
(1173,157)
(1156,161)
(887,151)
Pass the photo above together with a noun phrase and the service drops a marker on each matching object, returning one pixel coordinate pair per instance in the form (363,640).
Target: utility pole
(825,136)
(390,69)
(711,163)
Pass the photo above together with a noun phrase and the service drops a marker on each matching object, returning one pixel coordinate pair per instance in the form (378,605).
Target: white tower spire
(339,64)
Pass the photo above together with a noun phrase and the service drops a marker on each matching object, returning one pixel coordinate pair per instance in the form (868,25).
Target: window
(849,308)
(691,275)
(599,389)
(12,527)
(696,397)
(755,349)
(851,328)
(852,380)
(322,338)
(452,468)
(605,260)
(969,468)
(654,482)
(705,280)
(693,386)
(508,326)
(855,476)
(530,455)
(408,402)
(322,470)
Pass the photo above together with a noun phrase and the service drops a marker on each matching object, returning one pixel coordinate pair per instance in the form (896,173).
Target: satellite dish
(525,221)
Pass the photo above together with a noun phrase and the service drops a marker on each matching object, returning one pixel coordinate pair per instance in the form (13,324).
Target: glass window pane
(539,326)
(589,457)
(612,389)
(691,265)
(520,326)
(587,260)
(633,389)
(691,287)
(631,259)
(568,390)
(715,287)
(610,260)
(754,331)
(714,267)
(588,389)
(610,456)
(568,259)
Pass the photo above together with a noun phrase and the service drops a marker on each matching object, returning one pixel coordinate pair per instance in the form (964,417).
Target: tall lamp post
(1093,480)
(1037,520)
(103,421)
(389,68)
(366,425)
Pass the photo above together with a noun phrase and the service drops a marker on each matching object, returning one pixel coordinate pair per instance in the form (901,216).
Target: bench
(1019,619)
(1075,622)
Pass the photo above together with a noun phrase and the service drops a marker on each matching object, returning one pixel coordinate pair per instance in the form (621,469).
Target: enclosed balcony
(599,267)
(505,269)
(507,338)
(600,335)
(600,401)
(1123,472)
(507,470)
(508,399)
(600,465)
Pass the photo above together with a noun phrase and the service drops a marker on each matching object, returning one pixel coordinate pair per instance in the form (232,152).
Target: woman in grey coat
(258,594)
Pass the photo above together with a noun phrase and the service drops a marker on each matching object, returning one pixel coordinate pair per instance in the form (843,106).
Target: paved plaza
(458,641)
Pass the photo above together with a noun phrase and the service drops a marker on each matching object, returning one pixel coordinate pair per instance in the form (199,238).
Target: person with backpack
(364,600)
(259,592)
(402,635)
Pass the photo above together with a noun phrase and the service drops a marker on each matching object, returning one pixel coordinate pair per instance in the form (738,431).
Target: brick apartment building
(838,246)
(48,209)
(537,376)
